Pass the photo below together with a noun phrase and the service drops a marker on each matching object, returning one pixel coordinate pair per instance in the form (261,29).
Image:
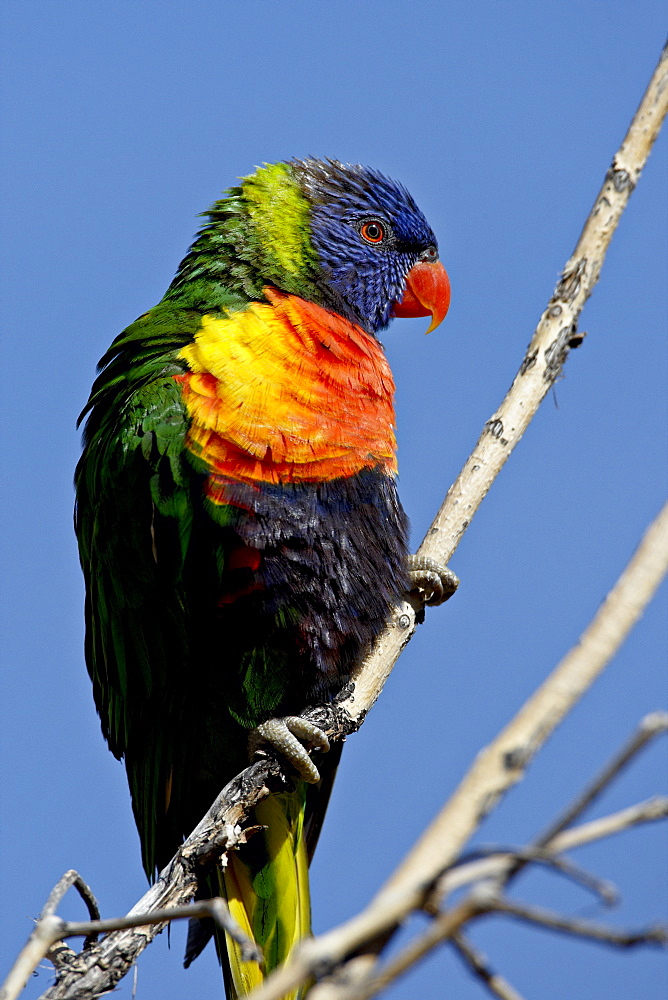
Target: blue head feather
(233,257)
(358,279)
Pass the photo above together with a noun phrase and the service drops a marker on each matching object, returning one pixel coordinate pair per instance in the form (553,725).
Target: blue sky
(123,121)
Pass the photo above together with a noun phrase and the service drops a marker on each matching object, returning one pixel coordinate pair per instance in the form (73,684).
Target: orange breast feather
(287,392)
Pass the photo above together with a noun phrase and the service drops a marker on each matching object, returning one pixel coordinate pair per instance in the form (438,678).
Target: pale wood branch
(500,765)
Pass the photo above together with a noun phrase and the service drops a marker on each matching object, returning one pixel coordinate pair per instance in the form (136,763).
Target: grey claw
(287,736)
(437,583)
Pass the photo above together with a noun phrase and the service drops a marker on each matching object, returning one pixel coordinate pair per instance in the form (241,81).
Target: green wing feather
(136,503)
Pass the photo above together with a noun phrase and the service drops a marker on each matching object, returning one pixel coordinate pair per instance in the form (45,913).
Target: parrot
(239,528)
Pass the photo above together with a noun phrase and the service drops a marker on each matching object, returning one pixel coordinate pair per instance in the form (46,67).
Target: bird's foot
(290,736)
(435,582)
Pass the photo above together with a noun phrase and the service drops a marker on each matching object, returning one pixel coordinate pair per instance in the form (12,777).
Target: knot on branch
(494,427)
(332,718)
(620,179)
(570,281)
(557,352)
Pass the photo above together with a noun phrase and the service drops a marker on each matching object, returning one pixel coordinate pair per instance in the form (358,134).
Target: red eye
(372,231)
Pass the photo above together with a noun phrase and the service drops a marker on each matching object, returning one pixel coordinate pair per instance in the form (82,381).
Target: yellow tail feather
(266,885)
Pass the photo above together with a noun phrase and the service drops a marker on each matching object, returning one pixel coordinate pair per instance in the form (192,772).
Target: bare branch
(500,765)
(50,929)
(606,892)
(650,727)
(65,882)
(493,868)
(479,966)
(216,909)
(645,812)
(656,935)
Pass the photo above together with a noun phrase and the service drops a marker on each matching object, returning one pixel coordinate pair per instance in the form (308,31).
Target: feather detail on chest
(288,392)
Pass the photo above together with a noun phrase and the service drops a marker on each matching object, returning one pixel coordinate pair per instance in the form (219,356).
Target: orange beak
(427,293)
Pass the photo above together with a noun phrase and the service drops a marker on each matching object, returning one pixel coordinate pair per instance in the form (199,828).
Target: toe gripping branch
(290,737)
(434,582)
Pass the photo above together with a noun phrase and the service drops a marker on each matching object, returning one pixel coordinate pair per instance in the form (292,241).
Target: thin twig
(606,892)
(644,812)
(51,929)
(71,879)
(650,727)
(215,909)
(655,935)
(478,964)
(461,875)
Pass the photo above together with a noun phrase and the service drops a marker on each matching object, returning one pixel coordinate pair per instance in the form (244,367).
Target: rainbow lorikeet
(238,521)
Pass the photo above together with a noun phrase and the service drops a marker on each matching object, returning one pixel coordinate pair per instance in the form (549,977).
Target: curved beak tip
(427,293)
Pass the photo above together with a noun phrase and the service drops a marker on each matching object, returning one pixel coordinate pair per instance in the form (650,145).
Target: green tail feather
(266,885)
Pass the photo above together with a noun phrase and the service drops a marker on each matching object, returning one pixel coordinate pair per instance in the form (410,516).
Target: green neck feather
(258,235)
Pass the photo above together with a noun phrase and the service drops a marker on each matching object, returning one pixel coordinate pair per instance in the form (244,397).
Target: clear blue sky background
(123,121)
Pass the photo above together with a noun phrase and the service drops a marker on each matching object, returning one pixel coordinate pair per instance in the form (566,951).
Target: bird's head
(341,235)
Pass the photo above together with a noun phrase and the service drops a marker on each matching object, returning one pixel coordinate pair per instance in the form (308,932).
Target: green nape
(280,216)
(259,234)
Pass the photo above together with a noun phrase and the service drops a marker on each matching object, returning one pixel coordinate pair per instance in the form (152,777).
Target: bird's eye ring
(373,231)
